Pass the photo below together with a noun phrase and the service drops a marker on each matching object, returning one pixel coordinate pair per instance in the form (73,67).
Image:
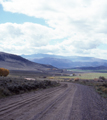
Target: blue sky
(71,27)
(18,17)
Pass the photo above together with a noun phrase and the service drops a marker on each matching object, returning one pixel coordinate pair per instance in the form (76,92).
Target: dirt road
(66,102)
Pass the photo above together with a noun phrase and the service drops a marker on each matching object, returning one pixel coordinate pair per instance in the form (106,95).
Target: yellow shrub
(4,72)
(104,89)
(51,77)
(76,79)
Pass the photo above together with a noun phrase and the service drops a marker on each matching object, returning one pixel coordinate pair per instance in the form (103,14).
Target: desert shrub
(73,74)
(70,79)
(1,71)
(51,77)
(44,76)
(4,72)
(105,85)
(4,92)
(14,89)
(95,79)
(104,90)
(16,86)
(102,78)
(76,79)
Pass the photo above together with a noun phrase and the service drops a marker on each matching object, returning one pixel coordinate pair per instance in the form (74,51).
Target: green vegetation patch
(84,76)
(79,70)
(92,75)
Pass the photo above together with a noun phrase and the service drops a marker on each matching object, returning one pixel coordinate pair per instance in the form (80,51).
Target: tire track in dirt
(37,99)
(20,103)
(4,105)
(60,109)
(66,102)
(50,106)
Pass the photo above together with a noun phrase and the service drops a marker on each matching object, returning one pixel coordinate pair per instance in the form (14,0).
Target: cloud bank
(78,26)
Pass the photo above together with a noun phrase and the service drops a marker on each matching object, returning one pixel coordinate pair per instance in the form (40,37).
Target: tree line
(4,72)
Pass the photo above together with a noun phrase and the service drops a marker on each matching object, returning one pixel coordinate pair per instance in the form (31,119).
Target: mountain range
(44,62)
(15,62)
(66,61)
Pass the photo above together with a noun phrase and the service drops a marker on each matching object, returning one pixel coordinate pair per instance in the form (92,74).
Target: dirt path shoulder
(66,102)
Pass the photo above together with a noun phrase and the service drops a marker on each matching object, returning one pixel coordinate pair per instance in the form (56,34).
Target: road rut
(66,102)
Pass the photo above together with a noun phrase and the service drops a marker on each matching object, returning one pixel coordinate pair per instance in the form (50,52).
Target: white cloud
(83,24)
(27,35)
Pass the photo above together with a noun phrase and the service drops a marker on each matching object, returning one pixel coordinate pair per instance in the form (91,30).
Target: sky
(60,27)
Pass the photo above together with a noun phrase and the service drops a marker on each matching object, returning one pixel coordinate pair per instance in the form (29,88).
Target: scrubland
(21,82)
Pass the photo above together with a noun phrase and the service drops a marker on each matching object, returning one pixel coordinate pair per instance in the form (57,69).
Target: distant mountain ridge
(15,62)
(66,61)
(92,68)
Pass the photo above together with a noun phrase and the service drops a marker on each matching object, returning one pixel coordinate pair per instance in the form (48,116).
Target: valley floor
(68,101)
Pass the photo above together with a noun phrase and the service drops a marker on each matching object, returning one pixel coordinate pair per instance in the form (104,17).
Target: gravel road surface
(66,102)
